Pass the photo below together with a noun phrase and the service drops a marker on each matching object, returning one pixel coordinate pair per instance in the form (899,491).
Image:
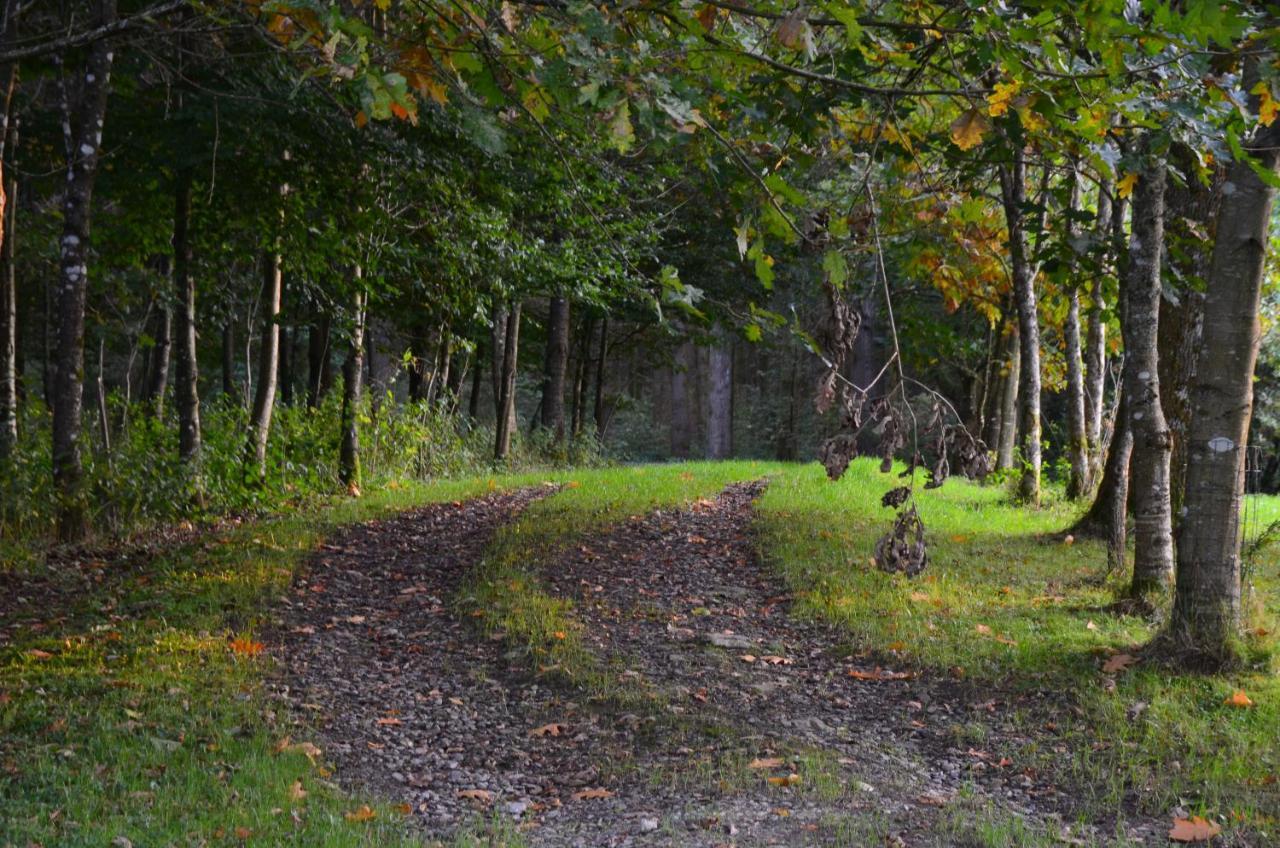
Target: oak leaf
(968,129)
(1194,829)
(1124,188)
(1120,662)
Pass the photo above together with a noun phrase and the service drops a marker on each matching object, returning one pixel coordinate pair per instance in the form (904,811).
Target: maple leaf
(589,794)
(1120,662)
(1124,188)
(1194,829)
(1268,108)
(968,129)
(1238,699)
(246,647)
(998,101)
(361,814)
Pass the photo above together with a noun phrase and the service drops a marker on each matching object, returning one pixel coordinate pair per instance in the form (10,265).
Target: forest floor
(665,655)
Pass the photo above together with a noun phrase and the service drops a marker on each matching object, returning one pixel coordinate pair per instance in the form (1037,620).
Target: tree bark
(82,127)
(9,350)
(555,363)
(477,380)
(681,413)
(1206,610)
(268,351)
(1095,350)
(601,415)
(186,391)
(319,374)
(1149,466)
(581,373)
(1077,431)
(506,420)
(1009,404)
(1013,185)
(352,373)
(285,375)
(720,399)
(158,361)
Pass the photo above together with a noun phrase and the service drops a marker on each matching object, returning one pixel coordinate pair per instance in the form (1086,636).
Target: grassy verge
(1006,599)
(507,597)
(128,713)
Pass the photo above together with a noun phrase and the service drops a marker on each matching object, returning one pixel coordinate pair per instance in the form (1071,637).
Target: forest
(658,422)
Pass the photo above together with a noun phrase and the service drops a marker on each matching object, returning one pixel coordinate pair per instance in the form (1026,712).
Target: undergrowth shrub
(139,482)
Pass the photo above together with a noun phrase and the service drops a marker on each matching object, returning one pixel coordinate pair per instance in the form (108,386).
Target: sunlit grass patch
(1010,599)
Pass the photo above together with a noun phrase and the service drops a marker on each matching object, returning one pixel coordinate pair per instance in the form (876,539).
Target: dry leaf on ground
(1194,829)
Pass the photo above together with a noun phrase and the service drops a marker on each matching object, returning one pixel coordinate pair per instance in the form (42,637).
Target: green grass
(1006,600)
(142,723)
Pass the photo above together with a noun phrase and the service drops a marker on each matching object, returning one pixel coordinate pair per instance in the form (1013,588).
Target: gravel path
(755,732)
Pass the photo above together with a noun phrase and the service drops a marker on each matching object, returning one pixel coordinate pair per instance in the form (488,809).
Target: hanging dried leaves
(838,333)
(837,452)
(903,548)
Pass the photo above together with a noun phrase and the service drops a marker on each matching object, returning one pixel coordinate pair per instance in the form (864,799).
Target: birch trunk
(1077,430)
(268,352)
(82,127)
(186,393)
(720,399)
(1149,466)
(1013,185)
(352,375)
(506,423)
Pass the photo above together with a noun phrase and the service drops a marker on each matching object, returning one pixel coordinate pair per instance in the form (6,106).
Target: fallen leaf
(482,795)
(246,647)
(1238,699)
(790,780)
(1120,662)
(243,832)
(1194,829)
(747,658)
(765,763)
(983,629)
(361,814)
(389,722)
(589,794)
(552,729)
(880,674)
(306,748)
(37,654)
(296,792)
(403,809)
(1089,625)
(922,597)
(776,660)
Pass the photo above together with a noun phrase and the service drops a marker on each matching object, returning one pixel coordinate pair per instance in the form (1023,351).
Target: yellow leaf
(1194,829)
(998,100)
(1268,108)
(968,129)
(1032,121)
(246,647)
(1124,188)
(361,814)
(1238,699)
(790,780)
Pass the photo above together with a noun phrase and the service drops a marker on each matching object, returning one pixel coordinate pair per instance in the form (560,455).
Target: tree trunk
(352,372)
(477,380)
(457,374)
(555,363)
(1095,351)
(1077,436)
(186,392)
(1013,188)
(506,420)
(158,361)
(10,373)
(601,415)
(285,375)
(497,342)
(681,414)
(1153,533)
(1206,611)
(319,376)
(268,352)
(581,373)
(720,399)
(83,129)
(1009,404)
